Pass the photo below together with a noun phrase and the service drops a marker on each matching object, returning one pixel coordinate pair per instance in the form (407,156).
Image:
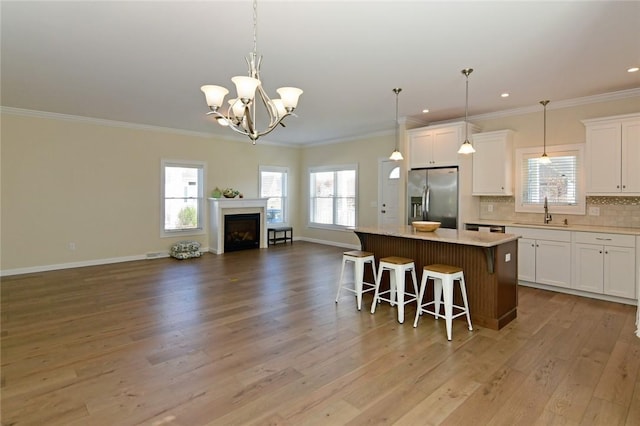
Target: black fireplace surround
(241,231)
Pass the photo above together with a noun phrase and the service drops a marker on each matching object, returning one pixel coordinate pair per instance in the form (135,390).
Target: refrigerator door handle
(425,202)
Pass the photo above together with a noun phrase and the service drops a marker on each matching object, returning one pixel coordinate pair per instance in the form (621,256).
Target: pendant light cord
(397,90)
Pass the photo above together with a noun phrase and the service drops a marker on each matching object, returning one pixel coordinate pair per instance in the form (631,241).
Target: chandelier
(240,115)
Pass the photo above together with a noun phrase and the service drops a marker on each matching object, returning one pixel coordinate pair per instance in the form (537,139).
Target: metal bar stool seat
(397,267)
(359,259)
(444,277)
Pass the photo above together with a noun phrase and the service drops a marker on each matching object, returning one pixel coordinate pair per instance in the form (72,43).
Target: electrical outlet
(489,208)
(507,257)
(594,211)
(72,246)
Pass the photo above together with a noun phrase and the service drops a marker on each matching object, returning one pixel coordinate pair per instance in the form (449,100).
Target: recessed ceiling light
(504,95)
(425,111)
(634,69)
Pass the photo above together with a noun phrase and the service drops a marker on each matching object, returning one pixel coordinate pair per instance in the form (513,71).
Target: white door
(389,194)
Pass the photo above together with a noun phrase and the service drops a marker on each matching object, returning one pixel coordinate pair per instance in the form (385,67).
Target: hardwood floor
(255,337)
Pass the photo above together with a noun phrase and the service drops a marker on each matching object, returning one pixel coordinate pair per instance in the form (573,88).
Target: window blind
(557,181)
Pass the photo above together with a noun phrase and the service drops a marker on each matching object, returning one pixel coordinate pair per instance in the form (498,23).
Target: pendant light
(466,147)
(396,155)
(544,159)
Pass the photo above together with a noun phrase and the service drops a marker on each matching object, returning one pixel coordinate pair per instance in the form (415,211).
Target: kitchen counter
(489,262)
(560,226)
(454,236)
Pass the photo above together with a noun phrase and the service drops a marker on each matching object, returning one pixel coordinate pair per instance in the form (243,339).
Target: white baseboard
(55,267)
(146,256)
(579,293)
(329,243)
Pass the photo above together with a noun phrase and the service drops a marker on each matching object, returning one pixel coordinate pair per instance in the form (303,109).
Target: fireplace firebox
(241,231)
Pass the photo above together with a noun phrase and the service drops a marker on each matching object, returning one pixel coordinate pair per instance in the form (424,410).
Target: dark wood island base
(489,262)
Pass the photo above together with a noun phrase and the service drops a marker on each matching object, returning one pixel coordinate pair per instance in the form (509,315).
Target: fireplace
(219,208)
(241,231)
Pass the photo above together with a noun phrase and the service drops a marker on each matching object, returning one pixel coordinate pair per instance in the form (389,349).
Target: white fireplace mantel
(219,207)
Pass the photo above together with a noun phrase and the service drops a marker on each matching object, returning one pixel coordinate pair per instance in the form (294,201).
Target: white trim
(283,170)
(329,243)
(58,266)
(568,103)
(202,197)
(333,168)
(580,207)
(604,97)
(575,292)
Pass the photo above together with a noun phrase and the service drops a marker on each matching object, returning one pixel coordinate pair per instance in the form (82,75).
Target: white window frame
(285,190)
(343,167)
(202,173)
(555,150)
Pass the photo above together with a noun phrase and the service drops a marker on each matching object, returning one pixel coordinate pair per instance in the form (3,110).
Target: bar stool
(443,277)
(397,267)
(359,259)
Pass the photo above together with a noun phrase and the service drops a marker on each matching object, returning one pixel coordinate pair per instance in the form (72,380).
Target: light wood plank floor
(255,338)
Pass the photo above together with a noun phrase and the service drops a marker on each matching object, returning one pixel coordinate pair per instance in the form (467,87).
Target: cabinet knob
(618,186)
(606,252)
(600,251)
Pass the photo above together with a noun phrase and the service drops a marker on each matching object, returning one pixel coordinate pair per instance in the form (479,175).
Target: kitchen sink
(550,225)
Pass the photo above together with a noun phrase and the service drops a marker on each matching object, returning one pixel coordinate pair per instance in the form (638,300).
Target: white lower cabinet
(589,263)
(544,256)
(605,264)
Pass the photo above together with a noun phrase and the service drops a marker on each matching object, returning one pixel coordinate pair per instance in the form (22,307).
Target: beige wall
(366,153)
(98,186)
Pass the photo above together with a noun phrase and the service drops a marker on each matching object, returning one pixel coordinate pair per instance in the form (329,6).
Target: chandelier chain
(255,27)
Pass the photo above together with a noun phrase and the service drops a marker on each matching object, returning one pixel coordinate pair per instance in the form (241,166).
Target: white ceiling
(144,62)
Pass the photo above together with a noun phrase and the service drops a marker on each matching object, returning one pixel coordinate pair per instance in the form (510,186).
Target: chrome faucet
(547,215)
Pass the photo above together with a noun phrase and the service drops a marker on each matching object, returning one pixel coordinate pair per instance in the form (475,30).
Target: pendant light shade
(544,159)
(466,147)
(396,155)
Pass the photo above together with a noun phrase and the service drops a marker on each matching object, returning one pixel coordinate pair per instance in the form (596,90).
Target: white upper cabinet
(493,163)
(436,146)
(613,155)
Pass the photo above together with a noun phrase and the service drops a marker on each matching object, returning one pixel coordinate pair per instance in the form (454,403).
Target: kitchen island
(489,261)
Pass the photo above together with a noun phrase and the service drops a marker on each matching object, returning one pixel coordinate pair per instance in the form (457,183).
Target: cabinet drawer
(540,234)
(605,239)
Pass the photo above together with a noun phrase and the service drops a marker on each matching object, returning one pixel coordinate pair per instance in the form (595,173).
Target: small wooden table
(287,234)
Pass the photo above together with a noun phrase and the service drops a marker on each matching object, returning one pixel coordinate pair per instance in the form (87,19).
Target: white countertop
(559,226)
(454,236)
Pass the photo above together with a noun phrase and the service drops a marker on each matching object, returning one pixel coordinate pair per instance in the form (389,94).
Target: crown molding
(98,121)
(605,97)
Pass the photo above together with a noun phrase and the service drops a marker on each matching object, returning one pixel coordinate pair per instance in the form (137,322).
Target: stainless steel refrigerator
(433,195)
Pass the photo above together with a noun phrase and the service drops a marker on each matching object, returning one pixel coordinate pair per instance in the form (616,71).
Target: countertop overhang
(444,235)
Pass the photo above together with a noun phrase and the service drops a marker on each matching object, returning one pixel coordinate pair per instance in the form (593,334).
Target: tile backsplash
(612,211)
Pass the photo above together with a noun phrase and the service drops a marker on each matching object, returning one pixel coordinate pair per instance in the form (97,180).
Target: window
(560,182)
(273,185)
(333,196)
(182,198)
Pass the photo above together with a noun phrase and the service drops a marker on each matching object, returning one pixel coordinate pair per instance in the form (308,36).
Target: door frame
(402,183)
